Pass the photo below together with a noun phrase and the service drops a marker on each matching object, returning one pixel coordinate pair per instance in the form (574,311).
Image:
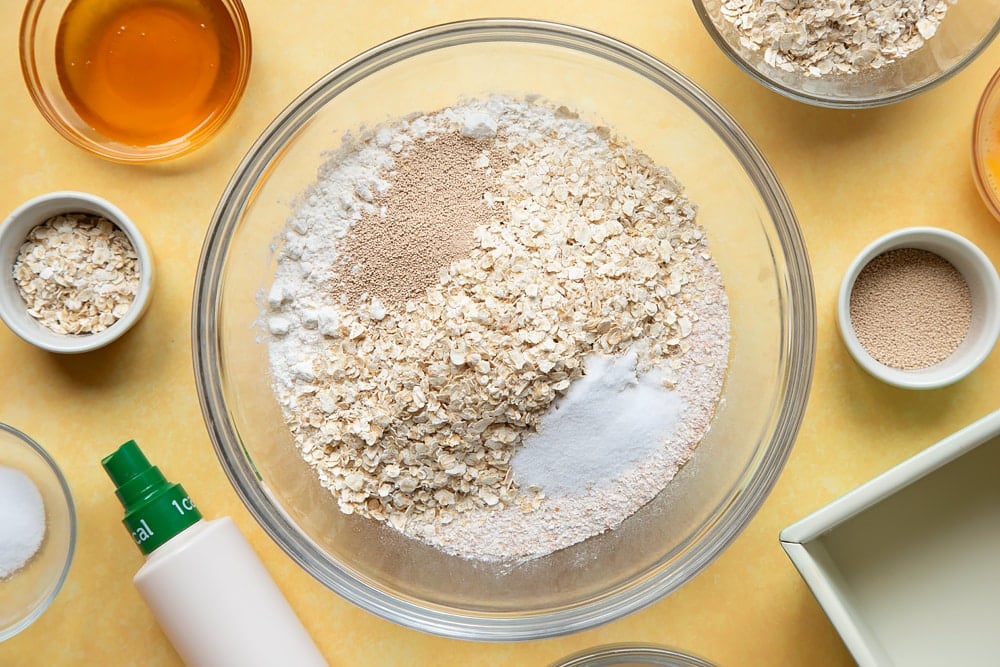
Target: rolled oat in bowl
(78,273)
(821,38)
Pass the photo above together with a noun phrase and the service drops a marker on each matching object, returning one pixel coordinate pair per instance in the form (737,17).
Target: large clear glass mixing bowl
(755,240)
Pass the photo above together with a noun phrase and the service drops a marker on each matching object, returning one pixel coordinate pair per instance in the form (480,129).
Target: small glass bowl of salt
(37,531)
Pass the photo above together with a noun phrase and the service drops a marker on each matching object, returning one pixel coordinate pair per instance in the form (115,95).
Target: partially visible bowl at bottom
(631,655)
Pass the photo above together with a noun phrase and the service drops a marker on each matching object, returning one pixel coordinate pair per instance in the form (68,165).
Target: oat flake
(827,37)
(78,273)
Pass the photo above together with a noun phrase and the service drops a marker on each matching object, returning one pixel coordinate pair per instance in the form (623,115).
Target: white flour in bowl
(463,297)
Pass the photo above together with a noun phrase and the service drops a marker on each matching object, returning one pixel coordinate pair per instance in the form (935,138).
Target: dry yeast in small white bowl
(919,308)
(77,273)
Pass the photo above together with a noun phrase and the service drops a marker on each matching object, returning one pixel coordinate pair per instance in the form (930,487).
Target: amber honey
(986,145)
(146,72)
(991,152)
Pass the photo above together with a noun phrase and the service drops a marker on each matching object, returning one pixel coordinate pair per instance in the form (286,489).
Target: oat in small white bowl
(77,273)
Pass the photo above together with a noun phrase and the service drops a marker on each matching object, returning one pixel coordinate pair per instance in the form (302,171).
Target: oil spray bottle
(204,583)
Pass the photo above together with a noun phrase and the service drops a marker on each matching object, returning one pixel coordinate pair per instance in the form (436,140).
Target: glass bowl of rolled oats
(79,273)
(504,329)
(855,54)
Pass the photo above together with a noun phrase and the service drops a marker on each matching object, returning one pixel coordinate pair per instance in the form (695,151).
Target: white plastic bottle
(205,584)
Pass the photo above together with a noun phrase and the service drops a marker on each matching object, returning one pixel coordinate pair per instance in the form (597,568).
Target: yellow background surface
(851,176)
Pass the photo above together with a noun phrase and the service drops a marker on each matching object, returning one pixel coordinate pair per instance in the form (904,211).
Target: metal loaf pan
(907,566)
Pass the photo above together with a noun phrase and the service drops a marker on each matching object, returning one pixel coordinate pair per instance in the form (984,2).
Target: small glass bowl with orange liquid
(986,146)
(136,80)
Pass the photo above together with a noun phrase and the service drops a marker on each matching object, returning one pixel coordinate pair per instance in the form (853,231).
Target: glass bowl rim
(869,102)
(798,336)
(989,97)
(634,652)
(44,604)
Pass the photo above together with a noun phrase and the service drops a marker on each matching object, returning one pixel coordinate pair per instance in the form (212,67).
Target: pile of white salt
(22,520)
(608,422)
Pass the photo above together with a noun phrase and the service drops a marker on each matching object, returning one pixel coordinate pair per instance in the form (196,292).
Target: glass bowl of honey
(136,80)
(986,146)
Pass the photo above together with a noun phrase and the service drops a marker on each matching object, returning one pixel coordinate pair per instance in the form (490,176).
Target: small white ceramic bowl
(984,286)
(15,229)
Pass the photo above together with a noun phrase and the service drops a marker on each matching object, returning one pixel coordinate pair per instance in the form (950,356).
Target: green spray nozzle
(155,509)
(132,473)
